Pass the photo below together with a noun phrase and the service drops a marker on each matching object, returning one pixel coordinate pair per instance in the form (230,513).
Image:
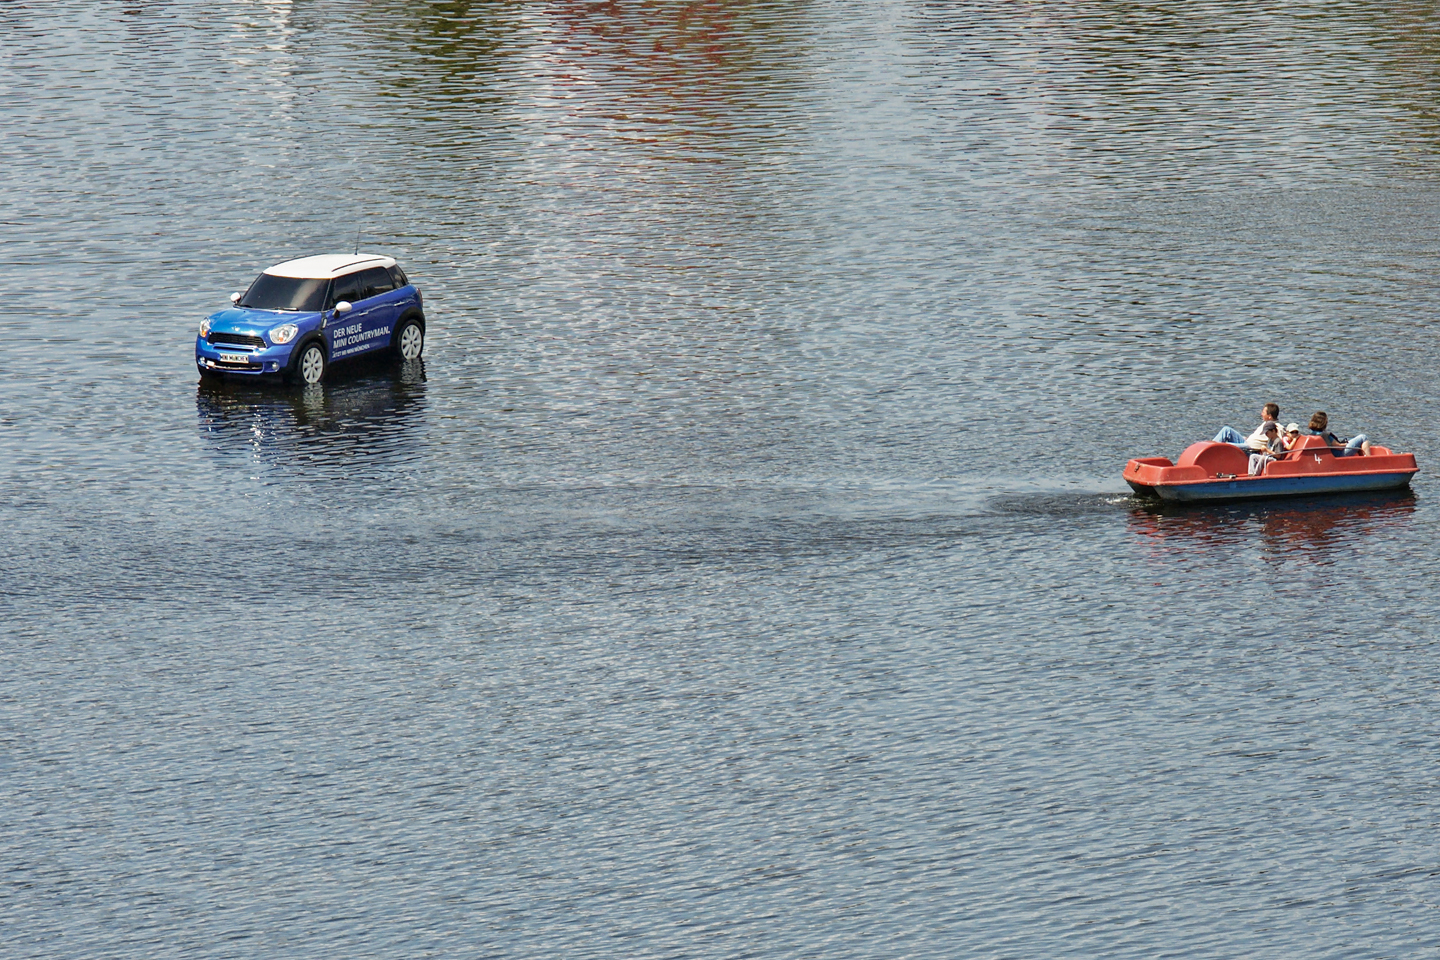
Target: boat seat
(1310,443)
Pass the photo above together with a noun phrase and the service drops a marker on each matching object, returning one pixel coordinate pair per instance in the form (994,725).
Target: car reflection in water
(364,419)
(1311,524)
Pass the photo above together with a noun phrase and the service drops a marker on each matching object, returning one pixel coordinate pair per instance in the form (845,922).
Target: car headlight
(284,333)
(205,327)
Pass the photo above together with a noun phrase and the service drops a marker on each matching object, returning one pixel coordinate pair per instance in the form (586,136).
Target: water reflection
(1319,522)
(676,69)
(456,54)
(342,427)
(1216,93)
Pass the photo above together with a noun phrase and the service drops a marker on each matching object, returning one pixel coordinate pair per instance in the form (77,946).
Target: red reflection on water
(1316,523)
(654,34)
(654,62)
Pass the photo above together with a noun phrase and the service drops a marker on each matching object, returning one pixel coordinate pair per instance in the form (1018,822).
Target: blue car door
(367,326)
(342,332)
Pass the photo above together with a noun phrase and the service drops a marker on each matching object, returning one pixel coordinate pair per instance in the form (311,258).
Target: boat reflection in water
(364,420)
(1304,524)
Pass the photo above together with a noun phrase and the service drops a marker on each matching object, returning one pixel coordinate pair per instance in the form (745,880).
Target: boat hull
(1251,488)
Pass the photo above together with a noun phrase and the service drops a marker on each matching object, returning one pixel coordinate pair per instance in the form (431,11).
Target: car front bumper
(244,361)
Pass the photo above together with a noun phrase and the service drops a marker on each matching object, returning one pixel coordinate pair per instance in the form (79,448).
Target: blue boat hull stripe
(1278,486)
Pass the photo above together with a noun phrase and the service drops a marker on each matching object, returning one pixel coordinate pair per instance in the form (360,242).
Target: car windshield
(270,292)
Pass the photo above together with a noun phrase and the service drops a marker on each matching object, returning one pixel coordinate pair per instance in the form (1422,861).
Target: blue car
(301,316)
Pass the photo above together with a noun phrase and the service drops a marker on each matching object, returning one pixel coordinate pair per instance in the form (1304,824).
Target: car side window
(348,287)
(399,276)
(374,282)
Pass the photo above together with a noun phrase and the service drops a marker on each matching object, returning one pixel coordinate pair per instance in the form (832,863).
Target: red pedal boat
(1219,471)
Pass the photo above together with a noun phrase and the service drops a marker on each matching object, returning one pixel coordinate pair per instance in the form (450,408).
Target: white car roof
(328,266)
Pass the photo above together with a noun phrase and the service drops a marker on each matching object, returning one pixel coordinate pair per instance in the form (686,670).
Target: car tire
(408,340)
(310,364)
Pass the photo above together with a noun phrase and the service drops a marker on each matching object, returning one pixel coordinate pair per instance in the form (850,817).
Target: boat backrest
(1216,458)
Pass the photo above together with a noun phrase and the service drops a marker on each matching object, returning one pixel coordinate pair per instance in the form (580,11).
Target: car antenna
(357,241)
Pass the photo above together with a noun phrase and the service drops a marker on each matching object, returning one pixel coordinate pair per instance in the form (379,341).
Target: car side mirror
(235,298)
(342,306)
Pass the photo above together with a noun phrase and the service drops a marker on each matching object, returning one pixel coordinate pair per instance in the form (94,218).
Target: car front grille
(235,339)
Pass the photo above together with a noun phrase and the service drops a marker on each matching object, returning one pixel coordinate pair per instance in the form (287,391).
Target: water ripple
(745,571)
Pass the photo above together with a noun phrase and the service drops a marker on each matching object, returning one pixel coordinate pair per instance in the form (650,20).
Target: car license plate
(234,358)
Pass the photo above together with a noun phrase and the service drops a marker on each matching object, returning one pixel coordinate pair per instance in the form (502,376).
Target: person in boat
(1256,441)
(1274,448)
(1356,445)
(1290,437)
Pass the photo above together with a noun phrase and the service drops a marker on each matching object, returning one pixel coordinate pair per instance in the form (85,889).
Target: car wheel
(310,368)
(409,340)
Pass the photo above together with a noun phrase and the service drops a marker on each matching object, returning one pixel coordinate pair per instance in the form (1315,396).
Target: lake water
(746,569)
